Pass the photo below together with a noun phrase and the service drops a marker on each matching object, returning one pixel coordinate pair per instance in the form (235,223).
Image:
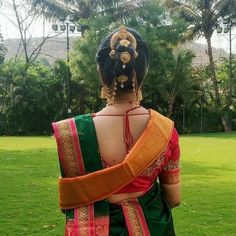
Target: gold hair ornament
(122,79)
(136,88)
(125,57)
(109,93)
(124,38)
(125,42)
(112,54)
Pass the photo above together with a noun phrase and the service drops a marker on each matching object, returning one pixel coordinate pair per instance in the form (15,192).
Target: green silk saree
(79,156)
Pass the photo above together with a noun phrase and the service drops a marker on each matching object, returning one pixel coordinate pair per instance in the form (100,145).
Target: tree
(166,69)
(85,9)
(34,98)
(180,80)
(204,17)
(83,66)
(222,71)
(170,69)
(24,21)
(2,49)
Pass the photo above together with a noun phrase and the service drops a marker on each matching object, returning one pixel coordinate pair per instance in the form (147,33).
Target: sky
(8,22)
(40,27)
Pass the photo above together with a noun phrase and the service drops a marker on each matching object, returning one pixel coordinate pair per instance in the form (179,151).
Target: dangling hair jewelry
(136,88)
(109,93)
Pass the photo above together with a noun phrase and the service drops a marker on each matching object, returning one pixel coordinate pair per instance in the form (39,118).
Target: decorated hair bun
(125,39)
(122,62)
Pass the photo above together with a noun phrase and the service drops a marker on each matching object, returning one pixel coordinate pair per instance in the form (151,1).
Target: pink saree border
(91,220)
(142,219)
(59,146)
(76,144)
(102,226)
(69,150)
(84,222)
(76,225)
(134,217)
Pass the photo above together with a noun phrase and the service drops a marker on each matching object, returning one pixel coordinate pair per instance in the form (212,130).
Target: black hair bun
(123,60)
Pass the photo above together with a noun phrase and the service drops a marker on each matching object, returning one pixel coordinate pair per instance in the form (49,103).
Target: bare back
(109,125)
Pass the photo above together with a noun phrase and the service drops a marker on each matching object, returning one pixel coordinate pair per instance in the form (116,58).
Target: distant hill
(55,49)
(201,56)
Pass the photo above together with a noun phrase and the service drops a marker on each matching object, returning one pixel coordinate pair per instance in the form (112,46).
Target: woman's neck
(124,99)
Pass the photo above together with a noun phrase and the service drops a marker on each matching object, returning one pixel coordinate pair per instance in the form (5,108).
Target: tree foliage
(170,70)
(2,49)
(32,95)
(204,17)
(32,98)
(85,9)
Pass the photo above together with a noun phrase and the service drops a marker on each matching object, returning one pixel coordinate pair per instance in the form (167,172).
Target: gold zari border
(83,220)
(132,218)
(68,149)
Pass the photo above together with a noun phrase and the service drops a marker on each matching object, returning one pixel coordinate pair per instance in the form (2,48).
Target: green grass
(29,171)
(209,186)
(28,198)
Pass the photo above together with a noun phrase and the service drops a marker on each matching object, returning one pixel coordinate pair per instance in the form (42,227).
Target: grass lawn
(29,171)
(209,186)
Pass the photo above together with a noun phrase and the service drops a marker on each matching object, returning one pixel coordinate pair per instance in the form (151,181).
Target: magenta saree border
(59,146)
(134,217)
(76,225)
(69,148)
(102,226)
(85,224)
(76,144)
(71,159)
(91,220)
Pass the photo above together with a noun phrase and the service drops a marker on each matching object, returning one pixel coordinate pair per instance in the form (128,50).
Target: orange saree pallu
(85,184)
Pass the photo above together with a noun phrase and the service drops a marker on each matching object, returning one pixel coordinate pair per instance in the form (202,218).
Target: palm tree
(179,79)
(84,8)
(204,17)
(2,49)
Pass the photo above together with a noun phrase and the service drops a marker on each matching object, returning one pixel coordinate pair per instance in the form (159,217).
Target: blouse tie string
(128,138)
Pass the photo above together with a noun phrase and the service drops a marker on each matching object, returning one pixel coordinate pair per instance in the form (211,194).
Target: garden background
(201,99)
(29,198)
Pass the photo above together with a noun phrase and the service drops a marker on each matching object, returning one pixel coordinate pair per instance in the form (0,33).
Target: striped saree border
(134,217)
(84,221)
(68,147)
(85,224)
(71,160)
(70,228)
(76,145)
